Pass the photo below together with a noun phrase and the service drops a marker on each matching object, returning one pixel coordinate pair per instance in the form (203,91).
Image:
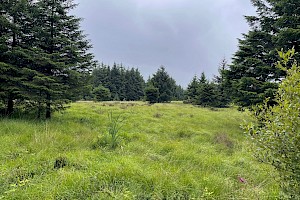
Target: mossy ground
(165,151)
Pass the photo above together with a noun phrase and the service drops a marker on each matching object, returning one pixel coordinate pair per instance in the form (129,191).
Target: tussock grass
(165,151)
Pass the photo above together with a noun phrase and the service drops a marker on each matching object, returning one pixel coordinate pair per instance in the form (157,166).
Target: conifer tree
(115,82)
(191,91)
(222,97)
(15,19)
(151,94)
(165,84)
(101,76)
(63,60)
(178,94)
(205,92)
(44,56)
(101,93)
(139,83)
(134,84)
(253,75)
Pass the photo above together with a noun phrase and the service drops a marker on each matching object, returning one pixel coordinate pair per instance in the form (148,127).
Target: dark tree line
(44,59)
(207,93)
(120,84)
(117,83)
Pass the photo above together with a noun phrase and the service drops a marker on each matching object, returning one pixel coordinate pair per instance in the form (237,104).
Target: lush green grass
(165,151)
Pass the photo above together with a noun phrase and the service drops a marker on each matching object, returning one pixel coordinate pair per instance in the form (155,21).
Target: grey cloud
(186,36)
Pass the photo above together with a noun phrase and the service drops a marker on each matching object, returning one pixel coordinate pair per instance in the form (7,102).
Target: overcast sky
(186,36)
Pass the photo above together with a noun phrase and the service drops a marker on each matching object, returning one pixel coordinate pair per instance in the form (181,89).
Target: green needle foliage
(277,136)
(123,84)
(165,85)
(151,94)
(101,93)
(252,75)
(44,56)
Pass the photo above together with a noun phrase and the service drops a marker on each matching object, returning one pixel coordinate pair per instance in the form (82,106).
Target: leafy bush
(277,135)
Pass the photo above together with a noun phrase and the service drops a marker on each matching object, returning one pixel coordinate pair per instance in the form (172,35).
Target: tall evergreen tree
(191,92)
(253,74)
(165,84)
(15,23)
(206,95)
(116,82)
(101,76)
(134,84)
(221,84)
(287,15)
(64,61)
(44,56)
(151,94)
(203,79)
(178,94)
(101,93)
(205,92)
(139,83)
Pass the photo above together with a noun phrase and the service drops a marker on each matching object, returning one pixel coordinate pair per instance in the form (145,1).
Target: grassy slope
(170,151)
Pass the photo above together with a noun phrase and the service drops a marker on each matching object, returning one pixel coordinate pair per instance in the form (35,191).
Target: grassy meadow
(165,151)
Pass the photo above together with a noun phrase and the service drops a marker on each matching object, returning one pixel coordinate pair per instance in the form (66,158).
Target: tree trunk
(48,107)
(10,106)
(39,111)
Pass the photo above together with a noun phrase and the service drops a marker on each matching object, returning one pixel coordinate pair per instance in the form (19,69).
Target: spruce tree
(101,75)
(287,15)
(115,82)
(15,54)
(151,94)
(63,59)
(139,84)
(179,93)
(134,84)
(101,93)
(222,97)
(165,84)
(191,92)
(253,75)
(206,95)
(205,92)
